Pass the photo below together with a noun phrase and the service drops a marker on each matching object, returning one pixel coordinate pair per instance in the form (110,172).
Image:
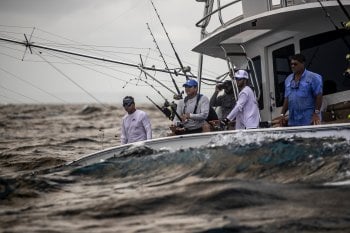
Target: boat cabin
(260,35)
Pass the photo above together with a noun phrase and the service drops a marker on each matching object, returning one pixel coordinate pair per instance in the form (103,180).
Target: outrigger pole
(172,45)
(29,45)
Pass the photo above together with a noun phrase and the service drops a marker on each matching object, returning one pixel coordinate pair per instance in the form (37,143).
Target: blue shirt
(302,97)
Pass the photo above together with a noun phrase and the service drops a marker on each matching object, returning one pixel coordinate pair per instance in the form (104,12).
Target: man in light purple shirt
(246,111)
(136,125)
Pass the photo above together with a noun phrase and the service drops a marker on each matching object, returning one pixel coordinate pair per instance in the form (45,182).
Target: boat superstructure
(260,35)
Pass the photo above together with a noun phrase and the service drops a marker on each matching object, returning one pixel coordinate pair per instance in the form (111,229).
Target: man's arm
(285,106)
(147,125)
(242,100)
(213,100)
(123,138)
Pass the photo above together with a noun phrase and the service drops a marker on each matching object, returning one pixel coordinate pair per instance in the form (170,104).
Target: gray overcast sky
(116,28)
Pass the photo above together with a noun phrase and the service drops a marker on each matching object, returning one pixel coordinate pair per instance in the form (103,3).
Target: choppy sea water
(258,185)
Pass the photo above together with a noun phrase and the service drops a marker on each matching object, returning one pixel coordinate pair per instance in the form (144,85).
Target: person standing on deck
(226,101)
(193,111)
(303,95)
(136,125)
(246,110)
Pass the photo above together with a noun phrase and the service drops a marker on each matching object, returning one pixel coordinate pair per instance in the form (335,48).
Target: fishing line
(67,77)
(32,85)
(11,99)
(87,67)
(20,94)
(109,75)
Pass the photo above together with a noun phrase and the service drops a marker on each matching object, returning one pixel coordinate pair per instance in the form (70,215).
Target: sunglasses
(127,104)
(294,84)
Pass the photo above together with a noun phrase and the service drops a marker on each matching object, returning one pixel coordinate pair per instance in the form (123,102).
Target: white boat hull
(214,138)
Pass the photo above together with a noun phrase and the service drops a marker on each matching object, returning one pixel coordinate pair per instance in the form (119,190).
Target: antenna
(27,44)
(184,70)
(178,96)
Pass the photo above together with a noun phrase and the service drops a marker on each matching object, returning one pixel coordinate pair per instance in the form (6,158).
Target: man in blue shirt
(303,94)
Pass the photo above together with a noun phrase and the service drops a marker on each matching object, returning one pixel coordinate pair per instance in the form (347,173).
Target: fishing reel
(169,109)
(178,96)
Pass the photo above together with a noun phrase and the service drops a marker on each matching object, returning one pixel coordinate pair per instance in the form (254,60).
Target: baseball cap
(128,100)
(241,74)
(190,83)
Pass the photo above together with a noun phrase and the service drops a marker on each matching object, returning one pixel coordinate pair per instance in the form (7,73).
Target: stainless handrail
(213,12)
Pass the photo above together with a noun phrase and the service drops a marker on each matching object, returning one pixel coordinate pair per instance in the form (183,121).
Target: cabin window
(275,3)
(325,54)
(281,70)
(257,65)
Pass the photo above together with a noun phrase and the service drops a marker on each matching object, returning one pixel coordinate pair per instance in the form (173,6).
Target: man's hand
(225,121)
(316,119)
(185,117)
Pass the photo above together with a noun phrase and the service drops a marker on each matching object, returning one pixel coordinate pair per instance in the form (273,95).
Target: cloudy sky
(114,29)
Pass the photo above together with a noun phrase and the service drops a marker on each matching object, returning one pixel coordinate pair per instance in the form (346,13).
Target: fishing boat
(259,36)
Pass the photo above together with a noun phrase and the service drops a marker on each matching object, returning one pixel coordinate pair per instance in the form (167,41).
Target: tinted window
(257,66)
(281,70)
(325,54)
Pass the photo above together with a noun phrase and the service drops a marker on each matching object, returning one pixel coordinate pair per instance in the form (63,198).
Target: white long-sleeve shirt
(246,110)
(136,127)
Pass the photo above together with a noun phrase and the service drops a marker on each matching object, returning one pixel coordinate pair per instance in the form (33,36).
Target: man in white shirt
(136,125)
(246,111)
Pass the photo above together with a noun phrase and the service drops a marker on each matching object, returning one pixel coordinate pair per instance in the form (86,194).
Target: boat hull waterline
(218,138)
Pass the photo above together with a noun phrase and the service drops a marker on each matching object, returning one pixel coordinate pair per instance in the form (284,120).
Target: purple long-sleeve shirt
(136,127)
(246,110)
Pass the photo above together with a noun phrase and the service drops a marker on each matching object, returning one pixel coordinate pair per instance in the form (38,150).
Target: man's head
(241,77)
(191,87)
(227,85)
(297,63)
(129,104)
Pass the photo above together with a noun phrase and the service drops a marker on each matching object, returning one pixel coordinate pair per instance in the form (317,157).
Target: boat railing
(240,9)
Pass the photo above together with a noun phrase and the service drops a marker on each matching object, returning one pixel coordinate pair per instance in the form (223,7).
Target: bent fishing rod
(179,95)
(172,45)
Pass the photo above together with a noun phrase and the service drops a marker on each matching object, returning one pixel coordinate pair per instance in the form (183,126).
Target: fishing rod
(30,45)
(164,109)
(154,88)
(331,20)
(343,9)
(163,85)
(184,70)
(179,94)
(168,113)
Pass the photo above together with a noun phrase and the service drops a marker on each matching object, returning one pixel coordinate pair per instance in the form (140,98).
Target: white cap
(241,74)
